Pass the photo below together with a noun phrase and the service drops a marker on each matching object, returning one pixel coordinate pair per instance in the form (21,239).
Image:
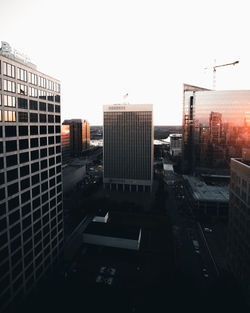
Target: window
(24,170)
(42,82)
(51,140)
(0,96)
(24,157)
(11,145)
(23,144)
(25,183)
(51,107)
(33,105)
(44,175)
(58,139)
(22,89)
(43,130)
(58,129)
(33,142)
(42,106)
(57,119)
(11,160)
(23,117)
(44,164)
(32,78)
(10,131)
(13,203)
(9,116)
(51,161)
(42,94)
(43,141)
(12,175)
(43,153)
(22,103)
(51,129)
(33,130)
(32,92)
(58,149)
(23,130)
(51,150)
(51,118)
(12,189)
(9,101)
(50,96)
(9,85)
(57,99)
(33,117)
(35,167)
(57,108)
(35,179)
(42,118)
(21,74)
(8,70)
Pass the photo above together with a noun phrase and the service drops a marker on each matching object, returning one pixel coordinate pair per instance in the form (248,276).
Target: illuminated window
(9,85)
(9,101)
(9,116)
(21,74)
(8,69)
(22,89)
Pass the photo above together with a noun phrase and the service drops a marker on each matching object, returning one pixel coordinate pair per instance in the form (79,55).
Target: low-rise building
(206,199)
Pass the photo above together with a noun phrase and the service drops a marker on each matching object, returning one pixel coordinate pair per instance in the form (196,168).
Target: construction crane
(214,70)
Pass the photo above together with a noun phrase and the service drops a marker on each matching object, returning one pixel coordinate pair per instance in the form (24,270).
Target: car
(208,230)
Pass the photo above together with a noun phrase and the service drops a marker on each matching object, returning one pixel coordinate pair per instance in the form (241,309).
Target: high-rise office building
(128,146)
(175,144)
(31,217)
(214,128)
(66,148)
(79,136)
(239,217)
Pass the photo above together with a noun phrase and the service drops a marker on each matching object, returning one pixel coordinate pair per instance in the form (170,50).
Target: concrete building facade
(31,216)
(239,218)
(128,146)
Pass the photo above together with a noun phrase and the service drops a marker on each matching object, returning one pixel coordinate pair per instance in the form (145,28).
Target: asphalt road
(185,230)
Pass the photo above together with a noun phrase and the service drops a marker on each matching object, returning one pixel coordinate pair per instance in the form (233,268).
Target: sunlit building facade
(215,128)
(31,217)
(79,136)
(128,146)
(66,152)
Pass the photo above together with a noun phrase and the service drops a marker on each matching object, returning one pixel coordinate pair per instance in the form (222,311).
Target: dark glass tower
(215,128)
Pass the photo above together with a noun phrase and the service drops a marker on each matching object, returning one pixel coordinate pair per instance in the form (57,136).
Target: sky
(101,50)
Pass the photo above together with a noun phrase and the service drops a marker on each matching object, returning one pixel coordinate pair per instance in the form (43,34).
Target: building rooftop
(113,230)
(245,162)
(204,192)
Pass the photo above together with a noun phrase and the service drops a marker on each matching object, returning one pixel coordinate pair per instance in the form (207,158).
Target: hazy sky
(103,49)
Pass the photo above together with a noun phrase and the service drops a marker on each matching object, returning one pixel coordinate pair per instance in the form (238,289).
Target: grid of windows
(30,184)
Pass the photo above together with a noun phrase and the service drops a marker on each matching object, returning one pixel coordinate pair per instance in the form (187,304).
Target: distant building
(66,151)
(31,212)
(239,218)
(79,136)
(215,128)
(175,144)
(128,146)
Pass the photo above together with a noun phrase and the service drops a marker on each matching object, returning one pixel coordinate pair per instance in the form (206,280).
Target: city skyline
(103,50)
